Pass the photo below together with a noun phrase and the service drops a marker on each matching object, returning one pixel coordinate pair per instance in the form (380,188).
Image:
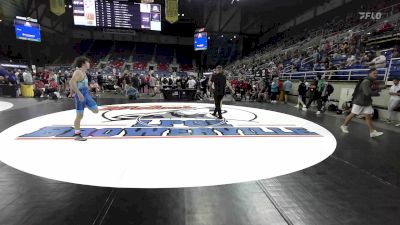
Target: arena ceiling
(245,17)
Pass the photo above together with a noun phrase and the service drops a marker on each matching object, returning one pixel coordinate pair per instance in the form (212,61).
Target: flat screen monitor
(200,41)
(27,30)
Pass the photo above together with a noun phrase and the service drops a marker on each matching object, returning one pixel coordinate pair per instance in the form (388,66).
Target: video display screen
(27,30)
(117,14)
(200,41)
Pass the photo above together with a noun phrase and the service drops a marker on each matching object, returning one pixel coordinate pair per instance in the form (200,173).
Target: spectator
(63,80)
(379,61)
(132,92)
(385,27)
(327,47)
(326,92)
(100,81)
(28,79)
(52,89)
(365,59)
(287,87)
(136,82)
(243,89)
(39,88)
(203,84)
(262,92)
(362,103)
(302,89)
(94,88)
(191,84)
(312,93)
(351,61)
(119,84)
(152,85)
(394,101)
(274,90)
(127,79)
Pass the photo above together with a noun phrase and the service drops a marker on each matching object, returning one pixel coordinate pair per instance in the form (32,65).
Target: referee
(218,84)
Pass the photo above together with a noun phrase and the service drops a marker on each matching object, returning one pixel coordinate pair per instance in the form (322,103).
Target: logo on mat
(163,121)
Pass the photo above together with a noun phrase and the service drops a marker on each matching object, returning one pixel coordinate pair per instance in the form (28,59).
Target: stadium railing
(393,69)
(336,75)
(384,74)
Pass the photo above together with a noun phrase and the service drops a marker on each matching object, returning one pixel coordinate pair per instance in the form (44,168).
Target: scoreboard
(117,14)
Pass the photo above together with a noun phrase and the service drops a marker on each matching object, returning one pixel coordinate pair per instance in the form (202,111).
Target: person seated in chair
(132,92)
(94,88)
(52,89)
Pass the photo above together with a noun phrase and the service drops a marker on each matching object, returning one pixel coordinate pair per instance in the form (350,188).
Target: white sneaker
(318,112)
(375,134)
(344,129)
(305,109)
(297,106)
(397,125)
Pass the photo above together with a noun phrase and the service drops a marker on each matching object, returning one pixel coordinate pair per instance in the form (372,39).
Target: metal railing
(389,74)
(336,75)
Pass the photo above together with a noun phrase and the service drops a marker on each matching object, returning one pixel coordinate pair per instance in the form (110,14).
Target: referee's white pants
(393,104)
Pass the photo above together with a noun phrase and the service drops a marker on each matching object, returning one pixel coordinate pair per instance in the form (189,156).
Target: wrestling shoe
(78,137)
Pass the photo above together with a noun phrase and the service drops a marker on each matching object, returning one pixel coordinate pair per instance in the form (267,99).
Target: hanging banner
(57,7)
(171,10)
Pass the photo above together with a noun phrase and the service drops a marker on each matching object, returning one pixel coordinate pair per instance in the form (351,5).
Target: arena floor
(358,184)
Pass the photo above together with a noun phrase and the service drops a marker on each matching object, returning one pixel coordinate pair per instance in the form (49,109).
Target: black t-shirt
(135,82)
(302,89)
(99,79)
(128,80)
(219,81)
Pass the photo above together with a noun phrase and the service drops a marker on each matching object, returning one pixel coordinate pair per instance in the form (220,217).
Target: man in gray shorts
(362,103)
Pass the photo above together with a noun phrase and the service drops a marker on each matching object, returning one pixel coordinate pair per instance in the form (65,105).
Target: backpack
(376,115)
(332,108)
(329,89)
(356,89)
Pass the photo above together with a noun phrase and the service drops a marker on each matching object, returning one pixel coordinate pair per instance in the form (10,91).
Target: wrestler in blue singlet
(88,101)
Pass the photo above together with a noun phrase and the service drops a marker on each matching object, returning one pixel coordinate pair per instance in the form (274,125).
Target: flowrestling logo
(370,15)
(158,121)
(165,145)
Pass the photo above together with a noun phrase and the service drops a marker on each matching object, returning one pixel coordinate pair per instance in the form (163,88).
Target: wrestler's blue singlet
(88,101)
